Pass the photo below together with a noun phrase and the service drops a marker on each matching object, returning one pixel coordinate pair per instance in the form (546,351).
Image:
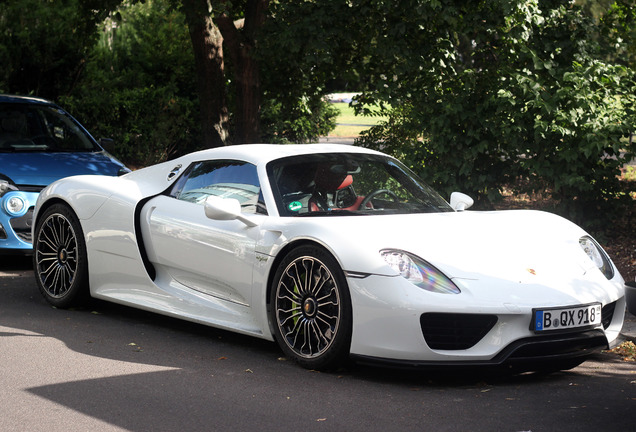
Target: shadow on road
(212,376)
(189,339)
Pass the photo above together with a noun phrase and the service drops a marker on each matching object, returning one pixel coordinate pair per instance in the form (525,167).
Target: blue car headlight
(419,272)
(597,255)
(15,204)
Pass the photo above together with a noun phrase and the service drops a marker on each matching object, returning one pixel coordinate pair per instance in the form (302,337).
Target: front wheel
(311,309)
(59,257)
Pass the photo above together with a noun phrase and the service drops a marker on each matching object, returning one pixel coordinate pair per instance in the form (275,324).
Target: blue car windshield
(344,184)
(41,128)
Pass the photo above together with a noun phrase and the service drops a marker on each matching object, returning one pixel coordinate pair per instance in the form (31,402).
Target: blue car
(40,143)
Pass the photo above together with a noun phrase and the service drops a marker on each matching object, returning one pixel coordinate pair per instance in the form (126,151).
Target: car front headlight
(14,203)
(597,255)
(419,272)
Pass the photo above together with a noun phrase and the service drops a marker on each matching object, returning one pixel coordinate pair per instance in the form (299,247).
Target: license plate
(550,319)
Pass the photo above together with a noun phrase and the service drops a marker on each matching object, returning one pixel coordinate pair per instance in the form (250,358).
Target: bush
(522,99)
(300,122)
(138,86)
(149,125)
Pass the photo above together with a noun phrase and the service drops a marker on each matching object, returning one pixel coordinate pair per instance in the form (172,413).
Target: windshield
(28,128)
(349,184)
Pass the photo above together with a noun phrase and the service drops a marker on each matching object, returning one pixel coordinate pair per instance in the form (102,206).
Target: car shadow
(189,375)
(138,330)
(9,263)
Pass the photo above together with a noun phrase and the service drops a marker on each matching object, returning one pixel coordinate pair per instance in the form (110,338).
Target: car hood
(41,169)
(514,245)
(515,257)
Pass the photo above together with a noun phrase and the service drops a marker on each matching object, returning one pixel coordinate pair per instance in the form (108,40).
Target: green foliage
(139,85)
(148,124)
(348,115)
(306,44)
(300,122)
(475,95)
(43,43)
(128,73)
(618,32)
(509,91)
(303,45)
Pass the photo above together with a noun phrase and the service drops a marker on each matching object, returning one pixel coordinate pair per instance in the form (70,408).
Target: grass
(350,125)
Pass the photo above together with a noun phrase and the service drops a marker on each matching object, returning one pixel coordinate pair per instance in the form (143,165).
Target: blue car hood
(41,169)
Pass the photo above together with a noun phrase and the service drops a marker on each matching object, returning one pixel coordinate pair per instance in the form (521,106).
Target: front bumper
(15,229)
(528,354)
(397,325)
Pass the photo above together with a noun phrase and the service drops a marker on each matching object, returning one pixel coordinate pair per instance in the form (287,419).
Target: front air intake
(607,313)
(450,331)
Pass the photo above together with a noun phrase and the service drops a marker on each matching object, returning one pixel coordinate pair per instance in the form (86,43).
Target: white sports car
(334,252)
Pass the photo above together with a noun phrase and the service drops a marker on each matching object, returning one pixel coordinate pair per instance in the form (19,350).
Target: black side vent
(22,226)
(447,331)
(150,269)
(607,313)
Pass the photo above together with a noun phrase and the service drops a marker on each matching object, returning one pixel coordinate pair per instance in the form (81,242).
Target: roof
(5,98)
(258,154)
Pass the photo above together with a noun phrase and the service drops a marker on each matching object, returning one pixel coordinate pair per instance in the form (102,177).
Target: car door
(212,257)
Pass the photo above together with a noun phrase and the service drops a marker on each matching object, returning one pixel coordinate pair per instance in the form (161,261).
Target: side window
(224,178)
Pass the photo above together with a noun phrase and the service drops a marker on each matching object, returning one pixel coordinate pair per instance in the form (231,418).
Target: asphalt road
(110,368)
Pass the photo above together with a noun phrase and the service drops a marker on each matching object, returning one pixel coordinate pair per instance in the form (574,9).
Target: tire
(59,258)
(310,309)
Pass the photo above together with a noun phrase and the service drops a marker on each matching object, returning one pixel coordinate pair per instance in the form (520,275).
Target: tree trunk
(240,41)
(207,43)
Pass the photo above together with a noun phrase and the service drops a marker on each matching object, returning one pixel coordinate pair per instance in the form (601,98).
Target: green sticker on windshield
(295,206)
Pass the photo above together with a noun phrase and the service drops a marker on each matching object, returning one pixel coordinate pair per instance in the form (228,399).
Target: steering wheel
(367,199)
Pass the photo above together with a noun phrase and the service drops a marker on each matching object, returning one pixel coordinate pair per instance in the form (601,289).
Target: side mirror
(460,201)
(224,209)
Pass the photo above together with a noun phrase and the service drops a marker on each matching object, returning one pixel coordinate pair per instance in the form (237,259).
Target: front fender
(84,194)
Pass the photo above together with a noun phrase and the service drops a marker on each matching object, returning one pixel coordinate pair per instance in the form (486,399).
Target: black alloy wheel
(311,309)
(59,257)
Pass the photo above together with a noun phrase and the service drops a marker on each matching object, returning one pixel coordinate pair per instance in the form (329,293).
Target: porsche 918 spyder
(334,252)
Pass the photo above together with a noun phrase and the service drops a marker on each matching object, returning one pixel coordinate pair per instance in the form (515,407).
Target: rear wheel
(311,309)
(59,257)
